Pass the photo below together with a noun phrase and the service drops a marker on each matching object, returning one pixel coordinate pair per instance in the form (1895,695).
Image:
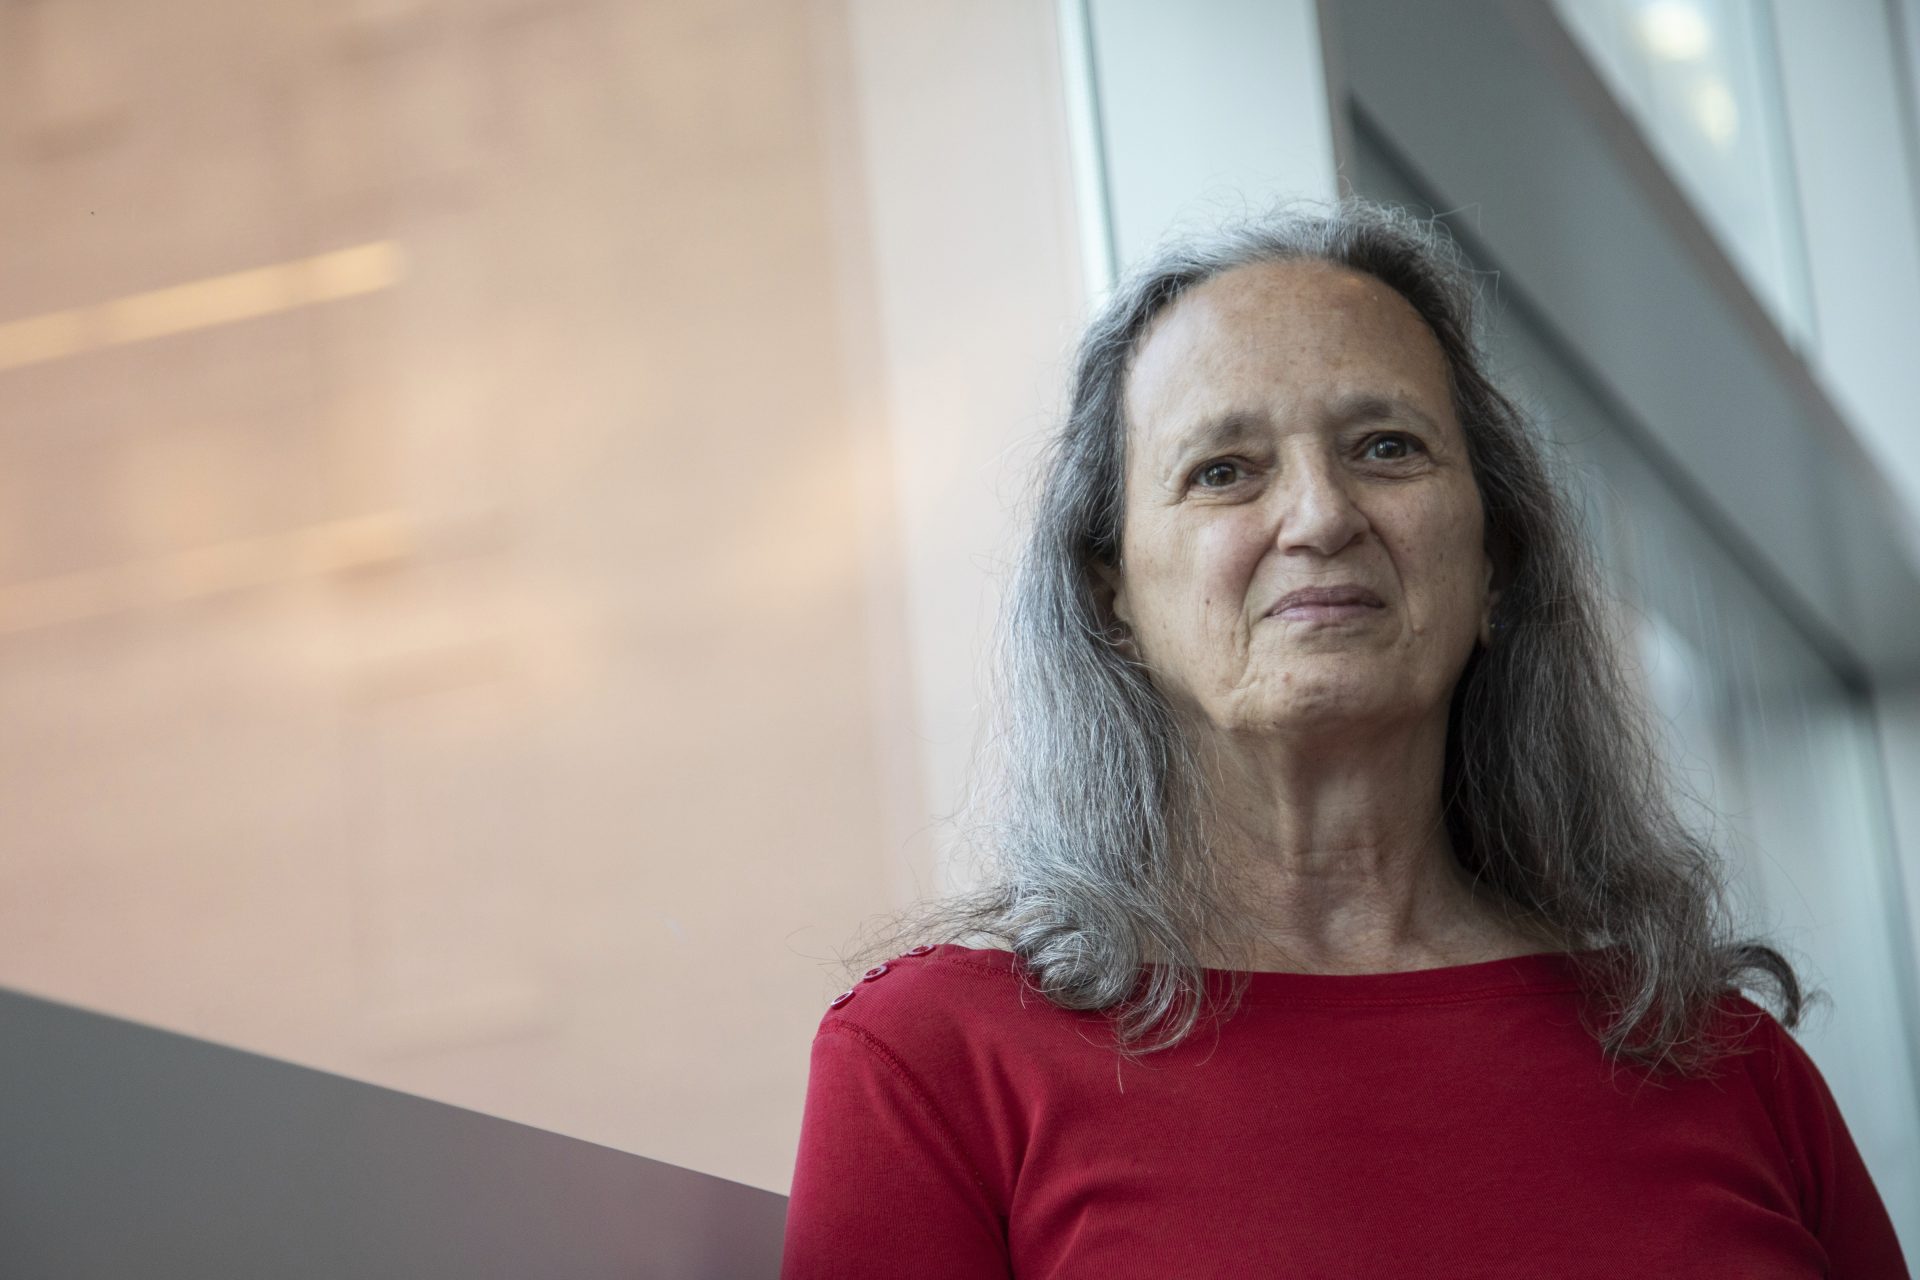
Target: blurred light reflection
(202,304)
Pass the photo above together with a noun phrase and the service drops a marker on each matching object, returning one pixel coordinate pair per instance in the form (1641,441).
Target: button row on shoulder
(875,972)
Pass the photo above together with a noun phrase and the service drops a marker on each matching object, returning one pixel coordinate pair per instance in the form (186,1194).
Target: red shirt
(1440,1122)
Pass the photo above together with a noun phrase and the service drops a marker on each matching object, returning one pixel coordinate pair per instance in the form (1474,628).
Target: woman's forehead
(1271,328)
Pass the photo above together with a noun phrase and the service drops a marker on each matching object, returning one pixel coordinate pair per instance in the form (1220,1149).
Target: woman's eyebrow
(1369,406)
(1219,431)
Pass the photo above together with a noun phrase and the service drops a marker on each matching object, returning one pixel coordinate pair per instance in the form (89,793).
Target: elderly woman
(1311,728)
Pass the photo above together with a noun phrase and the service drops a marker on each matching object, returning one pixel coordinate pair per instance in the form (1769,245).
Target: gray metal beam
(130,1151)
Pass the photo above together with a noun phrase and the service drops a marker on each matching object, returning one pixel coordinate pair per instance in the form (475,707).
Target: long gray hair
(1094,809)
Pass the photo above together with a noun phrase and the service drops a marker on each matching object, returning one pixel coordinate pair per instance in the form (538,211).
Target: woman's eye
(1214,468)
(1222,470)
(1407,443)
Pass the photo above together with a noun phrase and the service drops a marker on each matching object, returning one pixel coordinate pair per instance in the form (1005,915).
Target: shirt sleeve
(1841,1205)
(881,1185)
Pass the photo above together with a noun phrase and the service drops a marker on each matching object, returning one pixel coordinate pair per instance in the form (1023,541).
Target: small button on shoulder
(873,973)
(841,999)
(920,950)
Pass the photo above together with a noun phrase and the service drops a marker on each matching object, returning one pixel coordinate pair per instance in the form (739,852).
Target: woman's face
(1290,426)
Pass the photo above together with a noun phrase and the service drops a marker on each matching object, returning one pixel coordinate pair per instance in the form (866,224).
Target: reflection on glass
(1701,79)
(482,490)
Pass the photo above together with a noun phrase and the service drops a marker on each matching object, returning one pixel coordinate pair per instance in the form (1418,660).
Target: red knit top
(1438,1122)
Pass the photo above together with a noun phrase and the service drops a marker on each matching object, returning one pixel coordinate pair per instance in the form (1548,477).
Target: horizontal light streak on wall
(337,546)
(203,304)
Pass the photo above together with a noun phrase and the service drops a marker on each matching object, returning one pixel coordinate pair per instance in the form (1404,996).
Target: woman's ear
(1110,597)
(1492,605)
(1110,589)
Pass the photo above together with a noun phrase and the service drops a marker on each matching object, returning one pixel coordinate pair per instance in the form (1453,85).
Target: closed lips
(1327,595)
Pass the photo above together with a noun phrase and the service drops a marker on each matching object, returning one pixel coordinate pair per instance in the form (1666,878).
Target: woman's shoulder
(1744,1025)
(929,995)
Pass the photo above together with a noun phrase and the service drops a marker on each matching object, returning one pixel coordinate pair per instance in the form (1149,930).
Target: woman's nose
(1320,513)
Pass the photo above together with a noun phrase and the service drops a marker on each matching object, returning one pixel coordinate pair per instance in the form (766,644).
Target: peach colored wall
(506,664)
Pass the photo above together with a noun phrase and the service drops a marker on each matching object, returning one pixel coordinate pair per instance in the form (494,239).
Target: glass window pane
(1701,80)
